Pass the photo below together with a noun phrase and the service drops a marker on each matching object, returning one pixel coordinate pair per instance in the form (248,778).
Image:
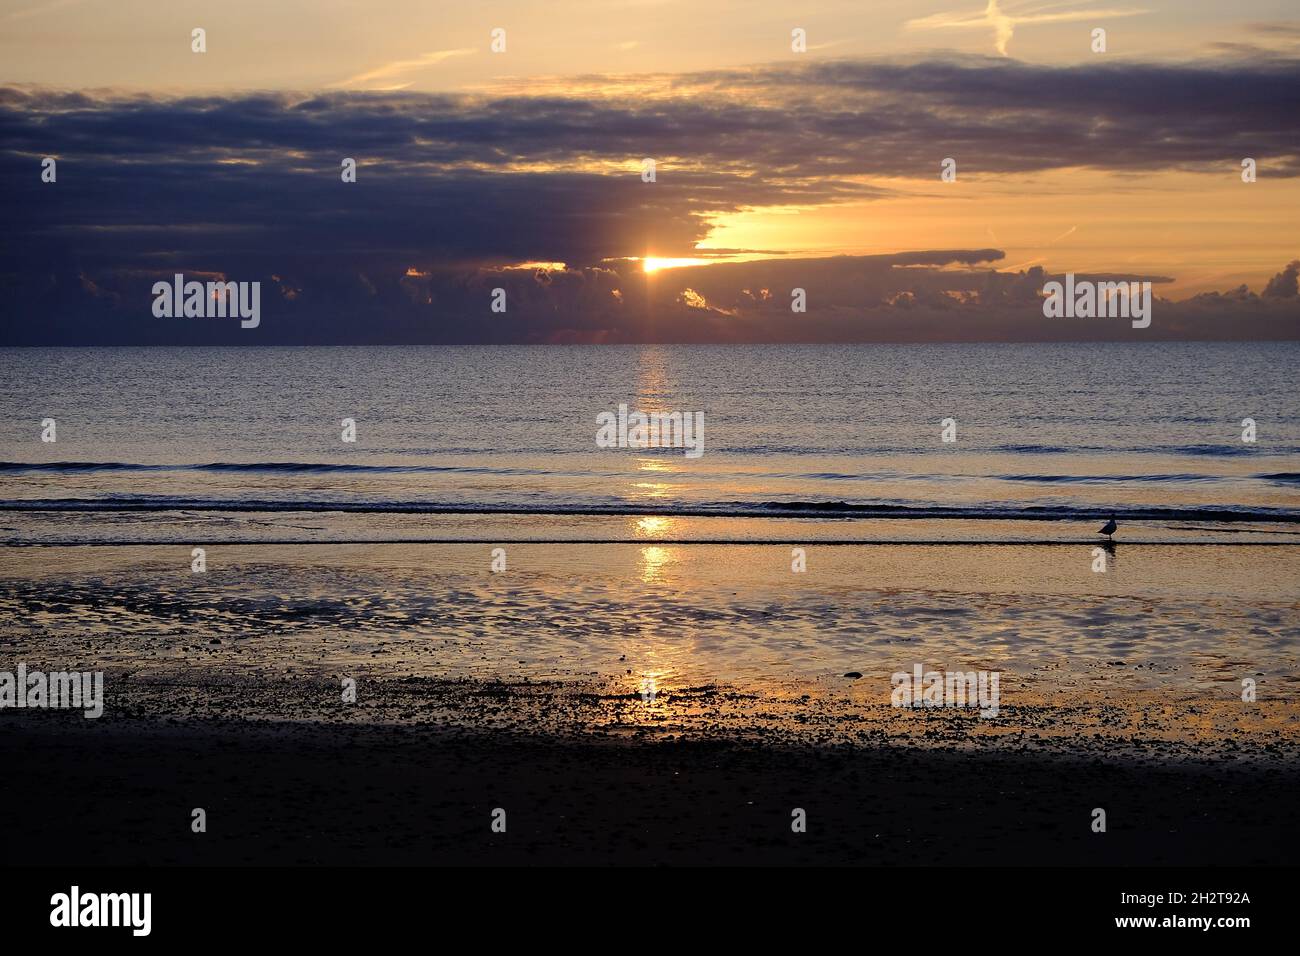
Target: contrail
(1004,24)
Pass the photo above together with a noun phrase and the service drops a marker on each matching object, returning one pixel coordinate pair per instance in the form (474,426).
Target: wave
(737,509)
(1225,451)
(1033,449)
(307,468)
(1109,479)
(264,466)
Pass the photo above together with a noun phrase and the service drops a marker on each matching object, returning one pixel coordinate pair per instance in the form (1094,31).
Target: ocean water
(820,441)
(374,557)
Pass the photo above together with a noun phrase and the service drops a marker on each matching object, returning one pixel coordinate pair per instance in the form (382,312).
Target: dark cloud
(932,296)
(1284,285)
(452,188)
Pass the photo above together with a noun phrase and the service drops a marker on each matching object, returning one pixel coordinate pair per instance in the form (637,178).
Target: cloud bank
(453,188)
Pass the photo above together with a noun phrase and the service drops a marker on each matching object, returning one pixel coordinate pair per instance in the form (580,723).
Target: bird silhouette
(1108,528)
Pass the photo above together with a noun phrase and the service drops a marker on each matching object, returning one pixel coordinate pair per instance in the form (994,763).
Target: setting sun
(654,263)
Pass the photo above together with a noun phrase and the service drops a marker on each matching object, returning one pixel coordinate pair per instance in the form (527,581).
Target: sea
(201,510)
(972,441)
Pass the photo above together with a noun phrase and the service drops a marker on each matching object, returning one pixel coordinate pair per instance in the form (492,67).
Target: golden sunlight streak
(543,266)
(653,525)
(655,263)
(653,489)
(653,562)
(652,464)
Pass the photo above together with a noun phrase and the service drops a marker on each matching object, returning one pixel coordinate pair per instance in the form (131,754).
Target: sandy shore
(293,793)
(771,692)
(411,773)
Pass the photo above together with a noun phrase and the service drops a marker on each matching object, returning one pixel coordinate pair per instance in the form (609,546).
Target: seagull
(1108,528)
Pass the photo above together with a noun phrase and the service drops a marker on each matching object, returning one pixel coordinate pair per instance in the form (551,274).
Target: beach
(293,795)
(713,711)
(833,636)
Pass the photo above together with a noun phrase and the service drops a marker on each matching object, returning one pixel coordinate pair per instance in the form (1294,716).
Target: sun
(655,263)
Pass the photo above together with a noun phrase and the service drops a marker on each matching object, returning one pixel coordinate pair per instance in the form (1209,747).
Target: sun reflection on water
(652,525)
(653,562)
(656,464)
(653,489)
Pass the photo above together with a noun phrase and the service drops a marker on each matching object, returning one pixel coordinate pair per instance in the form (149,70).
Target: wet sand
(525,691)
(292,793)
(588,773)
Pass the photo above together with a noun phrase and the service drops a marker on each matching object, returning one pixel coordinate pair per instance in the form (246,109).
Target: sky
(521,169)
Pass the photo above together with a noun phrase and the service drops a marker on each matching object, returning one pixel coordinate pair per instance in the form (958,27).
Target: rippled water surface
(1151,432)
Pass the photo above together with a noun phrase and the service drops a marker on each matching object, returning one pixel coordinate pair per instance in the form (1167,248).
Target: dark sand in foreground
(521,691)
(120,790)
(295,794)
